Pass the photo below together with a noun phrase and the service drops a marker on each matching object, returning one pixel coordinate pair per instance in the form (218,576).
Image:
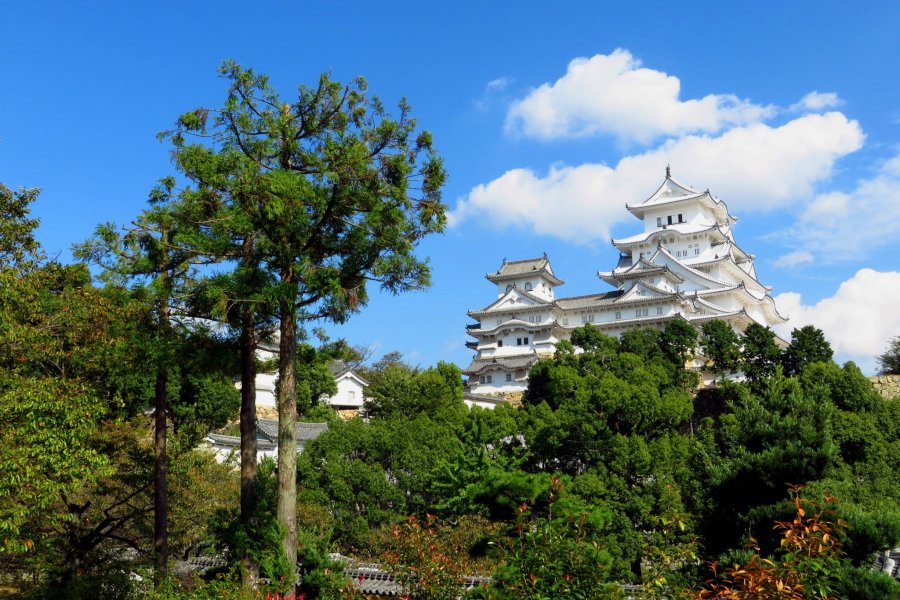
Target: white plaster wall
(539,286)
(229,454)
(350,393)
(265,389)
(488,405)
(498,383)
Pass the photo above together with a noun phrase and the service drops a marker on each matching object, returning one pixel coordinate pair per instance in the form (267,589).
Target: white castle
(684,264)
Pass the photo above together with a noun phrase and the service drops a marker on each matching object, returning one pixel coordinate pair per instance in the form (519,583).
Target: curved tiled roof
(339,368)
(518,361)
(657,199)
(512,323)
(517,268)
(636,271)
(692,270)
(267,434)
(304,431)
(232,441)
(538,302)
(588,300)
(679,228)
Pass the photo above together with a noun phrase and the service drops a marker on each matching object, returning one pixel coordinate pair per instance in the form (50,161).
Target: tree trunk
(287,441)
(160,495)
(249,568)
(160,399)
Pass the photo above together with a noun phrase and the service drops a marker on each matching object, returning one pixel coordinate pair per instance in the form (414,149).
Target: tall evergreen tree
(337,194)
(760,353)
(889,362)
(150,257)
(721,345)
(808,345)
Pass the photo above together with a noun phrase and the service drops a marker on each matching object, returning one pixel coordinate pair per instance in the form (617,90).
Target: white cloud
(491,90)
(613,94)
(569,202)
(752,168)
(499,84)
(846,225)
(858,320)
(793,259)
(816,101)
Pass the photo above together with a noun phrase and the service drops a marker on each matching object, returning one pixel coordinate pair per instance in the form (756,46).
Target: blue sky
(550,116)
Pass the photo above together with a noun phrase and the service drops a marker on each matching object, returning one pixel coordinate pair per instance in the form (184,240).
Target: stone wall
(514,398)
(886,385)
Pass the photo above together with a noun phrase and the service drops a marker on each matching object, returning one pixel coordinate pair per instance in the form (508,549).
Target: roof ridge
(524,260)
(589,295)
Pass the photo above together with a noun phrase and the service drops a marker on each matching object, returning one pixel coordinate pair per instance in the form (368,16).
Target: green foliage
(679,339)
(205,403)
(373,473)
(328,193)
(422,563)
(556,552)
(67,360)
(261,541)
(320,576)
(760,353)
(808,345)
(315,178)
(47,452)
(889,362)
(862,583)
(398,390)
(18,246)
(806,564)
(721,345)
(612,419)
(771,440)
(315,380)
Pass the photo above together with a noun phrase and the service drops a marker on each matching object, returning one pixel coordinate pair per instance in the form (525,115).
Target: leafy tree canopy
(808,345)
(889,362)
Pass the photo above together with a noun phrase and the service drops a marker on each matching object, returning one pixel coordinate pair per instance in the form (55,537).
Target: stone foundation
(886,385)
(513,398)
(266,412)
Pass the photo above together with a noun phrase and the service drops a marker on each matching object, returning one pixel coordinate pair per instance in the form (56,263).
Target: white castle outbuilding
(684,264)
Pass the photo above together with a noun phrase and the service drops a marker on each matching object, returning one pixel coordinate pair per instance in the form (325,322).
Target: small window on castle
(489,379)
(509,377)
(696,251)
(659,310)
(680,218)
(669,219)
(659,221)
(525,341)
(565,320)
(618,314)
(481,379)
(528,286)
(499,343)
